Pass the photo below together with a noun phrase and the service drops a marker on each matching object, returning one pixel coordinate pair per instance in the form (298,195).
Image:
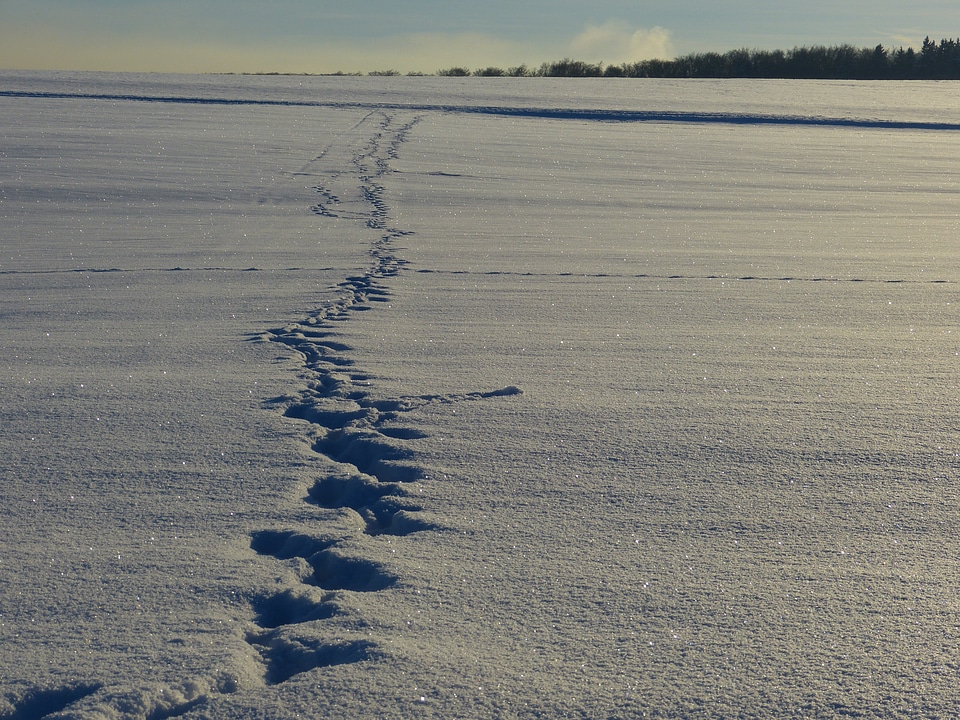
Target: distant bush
(570,68)
(934,61)
(840,62)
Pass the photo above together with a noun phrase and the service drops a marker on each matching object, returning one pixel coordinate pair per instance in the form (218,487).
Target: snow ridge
(359,435)
(552,113)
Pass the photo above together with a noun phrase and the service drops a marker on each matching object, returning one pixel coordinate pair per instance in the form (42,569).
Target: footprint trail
(358,433)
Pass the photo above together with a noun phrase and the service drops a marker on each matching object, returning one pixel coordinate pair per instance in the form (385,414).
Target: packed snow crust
(477,398)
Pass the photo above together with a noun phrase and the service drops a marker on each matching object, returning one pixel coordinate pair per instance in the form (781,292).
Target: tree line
(934,61)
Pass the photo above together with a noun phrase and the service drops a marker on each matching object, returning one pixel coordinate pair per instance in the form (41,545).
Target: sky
(321,36)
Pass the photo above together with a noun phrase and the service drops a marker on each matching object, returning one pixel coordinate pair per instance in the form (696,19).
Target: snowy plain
(436,397)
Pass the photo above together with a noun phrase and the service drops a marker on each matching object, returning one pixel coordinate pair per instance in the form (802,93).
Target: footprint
(332,415)
(403,433)
(352,491)
(292,607)
(369,453)
(39,702)
(284,545)
(330,570)
(289,656)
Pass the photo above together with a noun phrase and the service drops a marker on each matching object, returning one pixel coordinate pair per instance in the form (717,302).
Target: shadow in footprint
(331,571)
(40,703)
(291,608)
(393,515)
(286,544)
(401,522)
(317,415)
(402,433)
(382,505)
(287,657)
(354,491)
(369,453)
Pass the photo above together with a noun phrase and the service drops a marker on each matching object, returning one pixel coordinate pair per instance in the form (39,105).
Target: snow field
(409,411)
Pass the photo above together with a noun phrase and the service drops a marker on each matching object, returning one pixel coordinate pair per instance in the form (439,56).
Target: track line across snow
(349,424)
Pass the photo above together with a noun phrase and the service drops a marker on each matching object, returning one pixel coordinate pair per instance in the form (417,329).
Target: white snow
(436,397)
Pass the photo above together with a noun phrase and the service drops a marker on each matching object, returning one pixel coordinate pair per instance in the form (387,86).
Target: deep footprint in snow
(289,656)
(292,607)
(95,700)
(330,569)
(285,652)
(39,703)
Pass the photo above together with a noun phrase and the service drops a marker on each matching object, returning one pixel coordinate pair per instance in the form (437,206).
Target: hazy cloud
(616,42)
(912,37)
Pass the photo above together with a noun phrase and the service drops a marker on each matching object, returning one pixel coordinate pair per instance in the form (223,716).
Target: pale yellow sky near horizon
(322,36)
(50,49)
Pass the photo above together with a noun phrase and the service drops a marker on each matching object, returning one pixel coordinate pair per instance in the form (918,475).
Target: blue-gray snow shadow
(39,703)
(599,114)
(362,438)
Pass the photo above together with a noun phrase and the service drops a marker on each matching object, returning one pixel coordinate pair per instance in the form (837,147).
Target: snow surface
(435,397)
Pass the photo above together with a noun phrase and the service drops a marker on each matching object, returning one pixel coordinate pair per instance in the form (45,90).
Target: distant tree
(934,60)
(707,65)
(948,60)
(938,61)
(740,63)
(384,73)
(928,53)
(571,68)
(772,63)
(656,68)
(903,63)
(879,61)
